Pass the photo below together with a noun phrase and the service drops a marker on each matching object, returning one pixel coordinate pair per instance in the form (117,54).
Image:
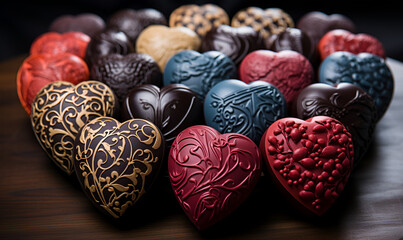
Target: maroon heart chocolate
(123,73)
(342,40)
(171,108)
(87,23)
(287,70)
(212,173)
(345,102)
(310,161)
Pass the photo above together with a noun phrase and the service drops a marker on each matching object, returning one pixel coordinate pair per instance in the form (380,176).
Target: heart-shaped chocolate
(310,161)
(233,106)
(107,42)
(343,40)
(116,163)
(345,102)
(132,22)
(199,71)
(267,22)
(55,43)
(87,23)
(123,72)
(212,174)
(59,111)
(171,108)
(235,42)
(161,42)
(39,70)
(200,19)
(316,24)
(288,70)
(366,70)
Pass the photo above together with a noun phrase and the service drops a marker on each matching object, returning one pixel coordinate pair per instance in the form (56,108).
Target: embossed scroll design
(60,109)
(212,174)
(250,111)
(313,161)
(113,161)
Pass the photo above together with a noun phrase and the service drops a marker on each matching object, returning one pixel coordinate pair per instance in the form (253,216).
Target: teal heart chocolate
(365,70)
(199,71)
(248,109)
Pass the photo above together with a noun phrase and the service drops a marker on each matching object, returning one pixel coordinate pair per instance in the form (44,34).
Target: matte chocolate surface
(87,23)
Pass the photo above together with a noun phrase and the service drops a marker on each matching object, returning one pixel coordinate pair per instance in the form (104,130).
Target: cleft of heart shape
(211,173)
(309,161)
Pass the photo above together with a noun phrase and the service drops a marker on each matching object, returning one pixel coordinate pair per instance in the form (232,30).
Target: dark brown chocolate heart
(87,23)
(123,73)
(172,108)
(345,102)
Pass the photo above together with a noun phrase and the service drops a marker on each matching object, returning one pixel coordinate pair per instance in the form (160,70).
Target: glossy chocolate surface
(87,23)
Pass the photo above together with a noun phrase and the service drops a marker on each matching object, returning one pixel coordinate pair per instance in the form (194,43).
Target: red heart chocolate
(38,70)
(55,43)
(342,40)
(212,174)
(287,70)
(310,161)
(87,23)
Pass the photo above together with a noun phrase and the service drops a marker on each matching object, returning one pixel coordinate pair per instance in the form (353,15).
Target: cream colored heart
(162,42)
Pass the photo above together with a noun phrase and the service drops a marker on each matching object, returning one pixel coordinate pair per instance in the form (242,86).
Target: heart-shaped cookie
(366,70)
(235,42)
(343,40)
(248,109)
(123,72)
(288,70)
(345,102)
(212,174)
(267,22)
(171,108)
(116,163)
(200,19)
(199,71)
(161,42)
(59,111)
(87,23)
(310,161)
(39,70)
(55,43)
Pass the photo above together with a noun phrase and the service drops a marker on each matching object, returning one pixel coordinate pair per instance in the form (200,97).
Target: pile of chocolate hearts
(217,102)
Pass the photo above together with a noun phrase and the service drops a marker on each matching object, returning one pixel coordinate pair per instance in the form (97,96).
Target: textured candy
(116,163)
(287,70)
(366,70)
(345,102)
(87,23)
(248,109)
(309,161)
(212,174)
(199,72)
(39,70)
(171,108)
(200,19)
(59,111)
(161,42)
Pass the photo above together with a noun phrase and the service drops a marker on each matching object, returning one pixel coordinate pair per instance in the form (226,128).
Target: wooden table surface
(38,202)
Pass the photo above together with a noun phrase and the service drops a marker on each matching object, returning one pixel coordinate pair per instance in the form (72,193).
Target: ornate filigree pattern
(59,111)
(116,162)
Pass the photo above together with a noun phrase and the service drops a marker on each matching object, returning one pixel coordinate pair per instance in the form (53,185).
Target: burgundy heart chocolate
(342,40)
(287,70)
(212,174)
(171,108)
(310,161)
(345,102)
(87,23)
(123,73)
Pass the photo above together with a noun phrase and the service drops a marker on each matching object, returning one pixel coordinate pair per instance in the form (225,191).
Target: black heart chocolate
(87,23)
(60,109)
(345,102)
(123,73)
(116,163)
(172,108)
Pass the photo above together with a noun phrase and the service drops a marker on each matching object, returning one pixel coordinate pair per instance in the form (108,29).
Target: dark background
(22,21)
